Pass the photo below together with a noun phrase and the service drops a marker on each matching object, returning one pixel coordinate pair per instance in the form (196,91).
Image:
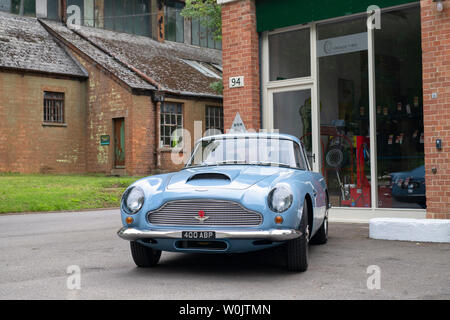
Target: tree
(209,13)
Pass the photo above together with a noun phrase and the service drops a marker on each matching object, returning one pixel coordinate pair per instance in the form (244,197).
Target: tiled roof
(103,59)
(26,45)
(167,64)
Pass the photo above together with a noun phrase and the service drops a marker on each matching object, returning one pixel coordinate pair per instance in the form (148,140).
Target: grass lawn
(39,192)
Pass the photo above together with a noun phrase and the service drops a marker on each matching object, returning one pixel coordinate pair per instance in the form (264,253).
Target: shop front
(353,95)
(346,79)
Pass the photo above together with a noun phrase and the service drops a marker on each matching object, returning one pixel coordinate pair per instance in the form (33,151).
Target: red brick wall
(436,79)
(108,99)
(240,56)
(26,145)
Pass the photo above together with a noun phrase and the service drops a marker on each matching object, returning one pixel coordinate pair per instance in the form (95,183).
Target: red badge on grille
(201,216)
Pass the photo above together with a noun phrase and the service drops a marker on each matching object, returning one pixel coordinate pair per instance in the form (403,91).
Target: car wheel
(297,249)
(143,256)
(321,236)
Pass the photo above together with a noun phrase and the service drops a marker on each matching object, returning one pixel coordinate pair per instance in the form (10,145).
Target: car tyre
(143,256)
(321,236)
(297,249)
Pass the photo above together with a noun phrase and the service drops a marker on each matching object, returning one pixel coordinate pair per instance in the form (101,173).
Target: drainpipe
(158,99)
(158,135)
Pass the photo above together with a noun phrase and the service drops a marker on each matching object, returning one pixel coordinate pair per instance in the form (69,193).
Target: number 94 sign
(236,82)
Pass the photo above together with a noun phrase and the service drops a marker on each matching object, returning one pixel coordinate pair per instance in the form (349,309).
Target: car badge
(201,216)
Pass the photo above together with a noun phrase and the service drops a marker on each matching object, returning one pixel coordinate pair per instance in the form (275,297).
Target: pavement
(37,249)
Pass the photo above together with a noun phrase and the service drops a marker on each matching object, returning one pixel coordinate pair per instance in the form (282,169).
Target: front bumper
(132,234)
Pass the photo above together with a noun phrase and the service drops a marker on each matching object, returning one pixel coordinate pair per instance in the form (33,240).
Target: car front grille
(215,213)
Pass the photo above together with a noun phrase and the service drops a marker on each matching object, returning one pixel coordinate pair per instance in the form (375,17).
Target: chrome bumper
(272,234)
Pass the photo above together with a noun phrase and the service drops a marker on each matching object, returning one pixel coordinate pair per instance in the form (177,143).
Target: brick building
(366,88)
(85,99)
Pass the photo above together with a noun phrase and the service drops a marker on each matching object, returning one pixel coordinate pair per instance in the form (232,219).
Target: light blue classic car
(237,193)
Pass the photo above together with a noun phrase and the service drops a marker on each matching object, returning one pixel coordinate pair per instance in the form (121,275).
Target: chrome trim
(132,234)
(222,213)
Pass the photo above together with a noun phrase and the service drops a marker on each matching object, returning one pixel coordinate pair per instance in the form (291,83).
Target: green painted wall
(273,14)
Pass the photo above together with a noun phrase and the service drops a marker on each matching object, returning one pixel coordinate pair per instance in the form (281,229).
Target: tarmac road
(36,250)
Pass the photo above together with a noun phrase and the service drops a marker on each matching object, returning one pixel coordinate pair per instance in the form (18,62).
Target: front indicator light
(129,220)
(279,219)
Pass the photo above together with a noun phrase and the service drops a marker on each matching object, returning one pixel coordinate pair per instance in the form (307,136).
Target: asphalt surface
(36,250)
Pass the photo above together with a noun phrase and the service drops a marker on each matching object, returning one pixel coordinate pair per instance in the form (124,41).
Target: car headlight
(133,200)
(280,199)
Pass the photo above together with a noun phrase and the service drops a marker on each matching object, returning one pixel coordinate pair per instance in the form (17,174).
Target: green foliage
(208,12)
(217,86)
(39,192)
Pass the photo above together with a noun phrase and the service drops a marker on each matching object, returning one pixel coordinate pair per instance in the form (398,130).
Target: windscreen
(251,151)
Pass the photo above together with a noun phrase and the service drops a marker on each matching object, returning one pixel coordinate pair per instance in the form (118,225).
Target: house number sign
(236,82)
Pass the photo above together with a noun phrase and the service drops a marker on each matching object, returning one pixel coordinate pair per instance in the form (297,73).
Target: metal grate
(219,213)
(53,107)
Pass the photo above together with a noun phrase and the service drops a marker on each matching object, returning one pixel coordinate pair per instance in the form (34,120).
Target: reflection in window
(399,112)
(202,36)
(174,22)
(131,16)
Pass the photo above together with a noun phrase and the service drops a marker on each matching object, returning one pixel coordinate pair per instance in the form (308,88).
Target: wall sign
(236,82)
(104,140)
(351,43)
(237,125)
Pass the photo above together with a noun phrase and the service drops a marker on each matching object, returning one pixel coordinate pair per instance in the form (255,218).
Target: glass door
(291,113)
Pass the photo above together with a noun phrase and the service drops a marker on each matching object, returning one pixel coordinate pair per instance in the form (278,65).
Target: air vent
(209,176)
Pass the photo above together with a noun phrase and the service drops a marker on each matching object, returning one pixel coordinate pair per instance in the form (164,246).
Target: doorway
(119,143)
(291,113)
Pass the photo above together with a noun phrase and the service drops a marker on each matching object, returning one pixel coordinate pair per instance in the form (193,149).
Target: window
(126,16)
(344,117)
(203,37)
(53,107)
(290,55)
(399,111)
(174,22)
(29,7)
(171,119)
(214,118)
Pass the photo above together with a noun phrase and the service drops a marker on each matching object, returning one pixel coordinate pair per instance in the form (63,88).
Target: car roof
(266,135)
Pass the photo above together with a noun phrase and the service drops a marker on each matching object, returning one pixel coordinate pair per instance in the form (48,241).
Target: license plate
(199,235)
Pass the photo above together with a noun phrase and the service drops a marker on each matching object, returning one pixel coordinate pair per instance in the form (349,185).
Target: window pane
(292,115)
(179,26)
(173,119)
(289,54)
(195,32)
(399,112)
(52,9)
(344,112)
(203,36)
(214,118)
(174,22)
